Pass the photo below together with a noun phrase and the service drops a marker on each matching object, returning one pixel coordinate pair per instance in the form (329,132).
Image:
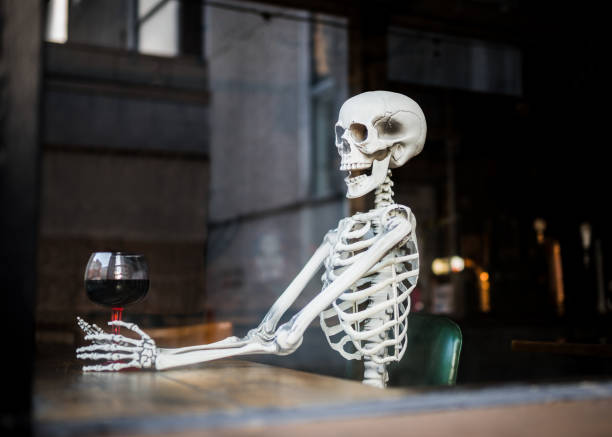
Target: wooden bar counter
(238,397)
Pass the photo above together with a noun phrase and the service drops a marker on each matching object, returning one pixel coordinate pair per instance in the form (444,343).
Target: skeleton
(371,262)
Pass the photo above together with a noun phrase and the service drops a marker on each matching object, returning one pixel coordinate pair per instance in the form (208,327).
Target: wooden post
(20,61)
(191,28)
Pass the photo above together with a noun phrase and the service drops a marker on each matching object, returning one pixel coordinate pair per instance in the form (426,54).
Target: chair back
(432,354)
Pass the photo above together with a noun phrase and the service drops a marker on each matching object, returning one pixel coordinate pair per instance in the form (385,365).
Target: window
(149,26)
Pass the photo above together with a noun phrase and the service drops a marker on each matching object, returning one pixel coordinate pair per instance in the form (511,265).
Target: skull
(377,130)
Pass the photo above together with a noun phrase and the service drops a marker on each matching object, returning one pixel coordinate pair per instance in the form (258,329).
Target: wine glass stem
(116,314)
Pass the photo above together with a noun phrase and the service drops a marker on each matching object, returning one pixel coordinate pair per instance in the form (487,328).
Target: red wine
(116,292)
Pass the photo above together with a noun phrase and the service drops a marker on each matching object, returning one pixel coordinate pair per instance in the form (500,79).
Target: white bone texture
(371,262)
(371,125)
(134,353)
(368,321)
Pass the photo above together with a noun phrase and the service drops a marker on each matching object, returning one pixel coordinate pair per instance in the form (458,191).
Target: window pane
(99,22)
(435,59)
(158,27)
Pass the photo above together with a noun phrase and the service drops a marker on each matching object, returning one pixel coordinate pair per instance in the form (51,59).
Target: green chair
(432,354)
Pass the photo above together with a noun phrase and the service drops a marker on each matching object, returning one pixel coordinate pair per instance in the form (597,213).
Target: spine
(383,196)
(376,374)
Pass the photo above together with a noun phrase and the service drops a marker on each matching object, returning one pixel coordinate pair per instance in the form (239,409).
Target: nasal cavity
(346,147)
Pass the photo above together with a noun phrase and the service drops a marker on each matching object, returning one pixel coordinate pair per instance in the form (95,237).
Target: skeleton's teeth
(356,179)
(345,166)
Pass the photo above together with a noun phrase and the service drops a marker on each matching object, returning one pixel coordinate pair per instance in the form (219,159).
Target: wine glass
(116,279)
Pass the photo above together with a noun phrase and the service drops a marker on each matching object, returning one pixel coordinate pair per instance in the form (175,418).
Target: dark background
(494,161)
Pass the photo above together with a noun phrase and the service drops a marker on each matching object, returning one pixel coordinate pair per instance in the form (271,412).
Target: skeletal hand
(119,351)
(89,329)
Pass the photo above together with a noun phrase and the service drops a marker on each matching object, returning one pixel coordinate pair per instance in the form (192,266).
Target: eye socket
(397,125)
(339,132)
(359,132)
(389,128)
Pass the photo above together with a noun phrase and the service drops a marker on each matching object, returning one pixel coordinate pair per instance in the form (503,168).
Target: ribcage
(370,318)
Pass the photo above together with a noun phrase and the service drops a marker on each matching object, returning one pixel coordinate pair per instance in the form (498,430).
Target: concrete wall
(99,22)
(265,218)
(125,167)
(259,121)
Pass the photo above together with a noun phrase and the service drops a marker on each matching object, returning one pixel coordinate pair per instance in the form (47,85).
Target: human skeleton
(371,262)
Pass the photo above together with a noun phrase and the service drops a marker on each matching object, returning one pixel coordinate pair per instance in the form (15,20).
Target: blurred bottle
(588,274)
(593,269)
(548,294)
(539,301)
(603,304)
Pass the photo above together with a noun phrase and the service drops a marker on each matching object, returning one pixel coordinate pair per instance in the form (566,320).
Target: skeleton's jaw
(362,184)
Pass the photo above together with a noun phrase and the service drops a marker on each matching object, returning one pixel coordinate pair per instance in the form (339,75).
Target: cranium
(377,130)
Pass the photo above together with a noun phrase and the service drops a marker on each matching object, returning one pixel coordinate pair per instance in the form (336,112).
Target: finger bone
(113,338)
(105,348)
(131,326)
(109,356)
(111,367)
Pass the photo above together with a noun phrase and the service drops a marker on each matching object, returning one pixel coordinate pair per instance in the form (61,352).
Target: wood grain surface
(64,396)
(239,397)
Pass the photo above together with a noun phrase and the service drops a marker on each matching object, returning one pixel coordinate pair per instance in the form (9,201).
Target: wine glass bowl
(115,280)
